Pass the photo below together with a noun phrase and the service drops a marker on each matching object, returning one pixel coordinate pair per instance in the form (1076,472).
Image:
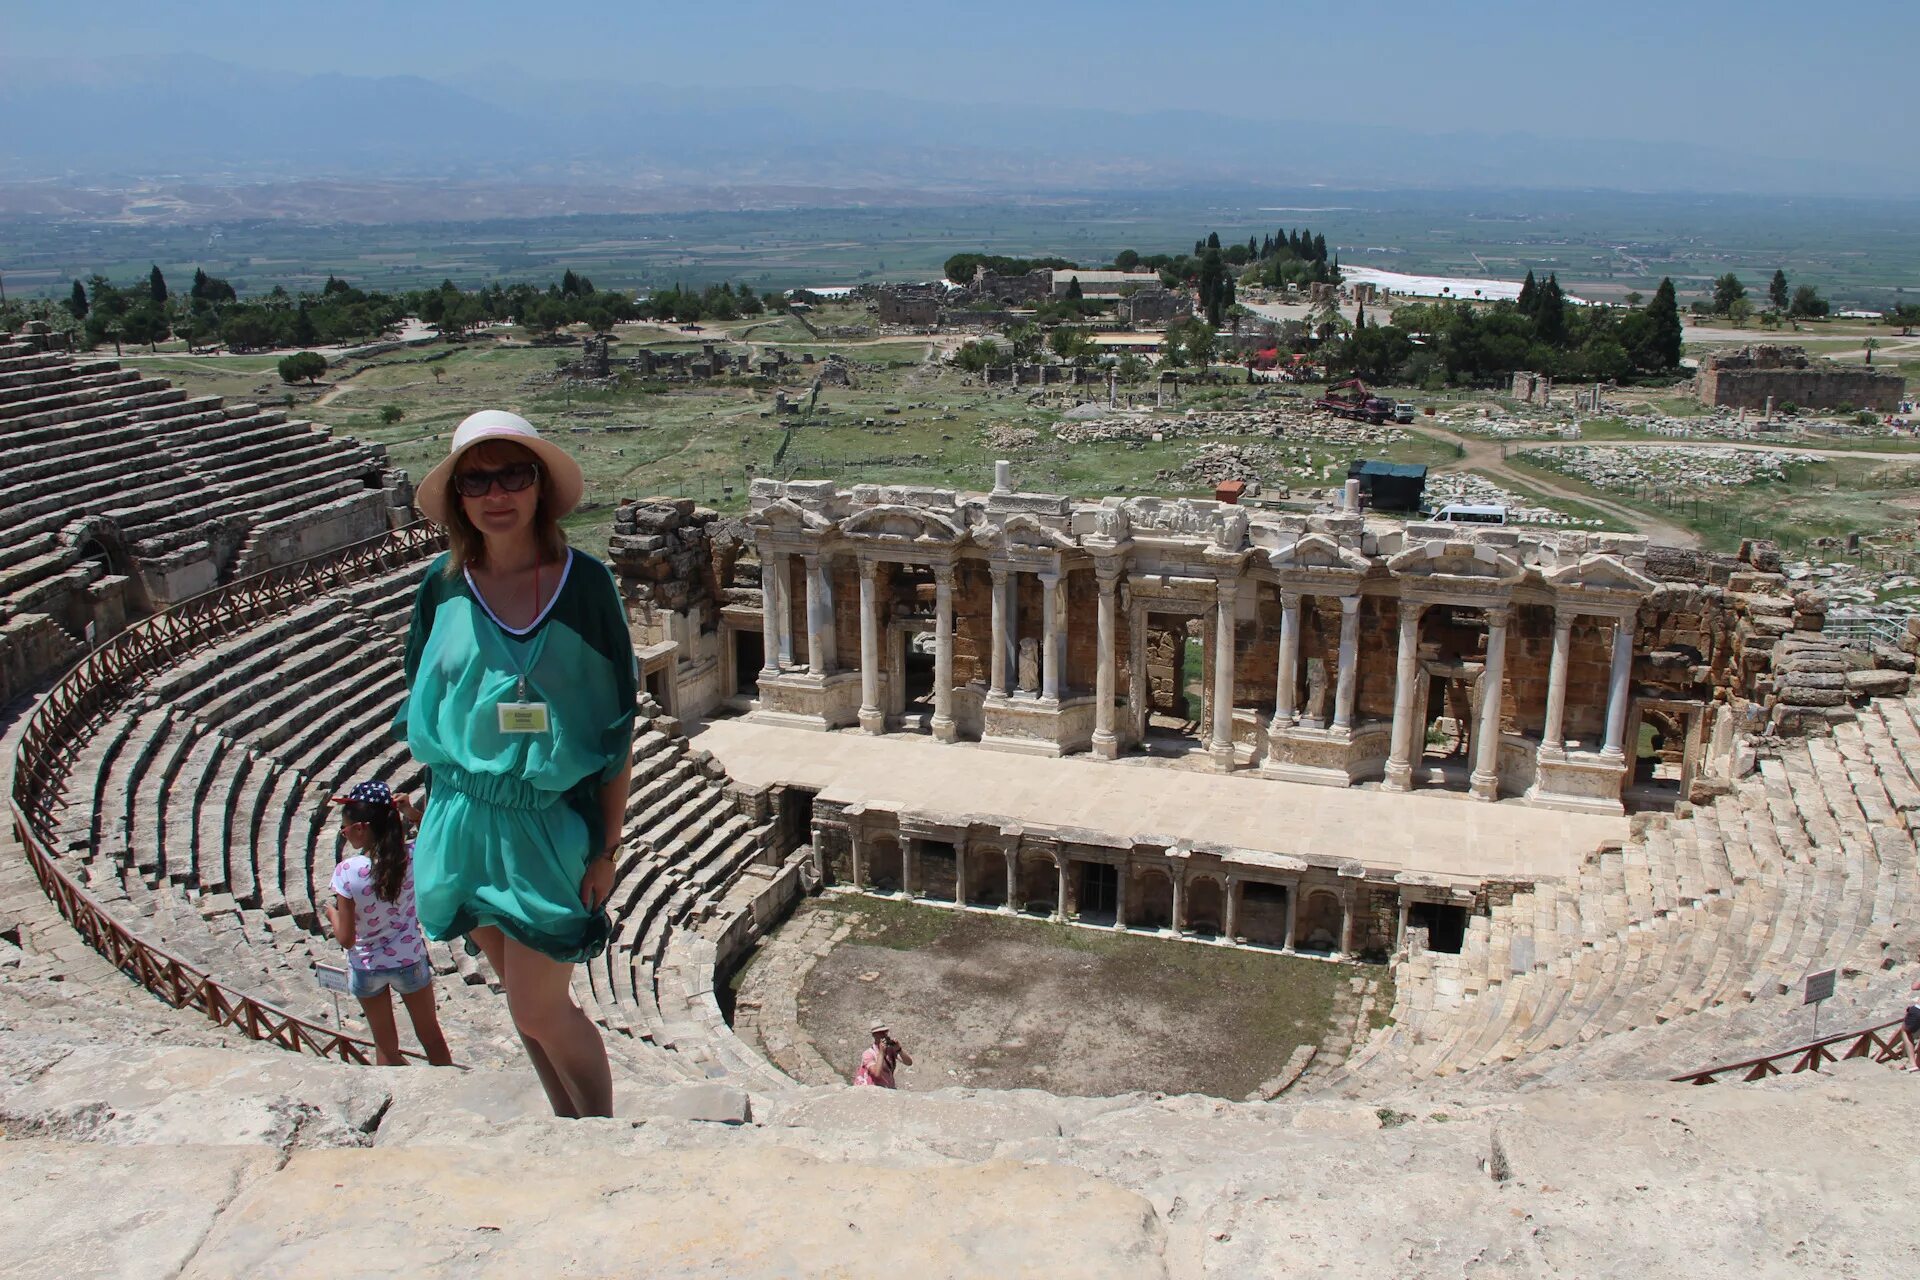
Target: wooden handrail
(1880,1042)
(95,683)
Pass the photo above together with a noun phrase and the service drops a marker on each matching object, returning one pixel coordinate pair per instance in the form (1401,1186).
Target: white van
(1471,513)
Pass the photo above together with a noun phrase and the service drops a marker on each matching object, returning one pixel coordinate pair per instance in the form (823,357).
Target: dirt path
(1836,454)
(1484,457)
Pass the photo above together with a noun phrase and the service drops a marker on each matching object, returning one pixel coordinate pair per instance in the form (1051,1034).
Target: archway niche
(1206,907)
(1318,925)
(1262,919)
(1039,885)
(883,866)
(1150,899)
(936,870)
(986,877)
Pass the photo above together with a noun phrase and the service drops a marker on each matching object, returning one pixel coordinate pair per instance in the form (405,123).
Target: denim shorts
(362,983)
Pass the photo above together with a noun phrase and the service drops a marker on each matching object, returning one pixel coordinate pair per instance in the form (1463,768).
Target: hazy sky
(1754,74)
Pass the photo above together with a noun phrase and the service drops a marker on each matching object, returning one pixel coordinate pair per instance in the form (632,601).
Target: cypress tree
(1664,311)
(157,285)
(1319,248)
(77,303)
(1529,300)
(1777,291)
(1213,239)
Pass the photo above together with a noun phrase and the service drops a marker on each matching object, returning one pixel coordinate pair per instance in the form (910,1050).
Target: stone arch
(1150,898)
(1039,883)
(1318,925)
(885,867)
(894,523)
(1206,905)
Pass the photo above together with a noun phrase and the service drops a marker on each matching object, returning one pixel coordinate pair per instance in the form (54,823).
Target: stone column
(872,718)
(1287,681)
(1553,734)
(1060,888)
(1346,925)
(1001,625)
(1406,681)
(960,873)
(1013,880)
(819,615)
(782,586)
(857,855)
(1124,874)
(1231,923)
(1349,664)
(1485,779)
(771,621)
(1179,901)
(1050,636)
(943,727)
(1226,592)
(909,867)
(1293,913)
(1619,688)
(1137,676)
(1105,744)
(1400,929)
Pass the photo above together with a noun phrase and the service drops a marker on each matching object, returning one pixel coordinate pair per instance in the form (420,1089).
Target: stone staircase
(1808,864)
(197,813)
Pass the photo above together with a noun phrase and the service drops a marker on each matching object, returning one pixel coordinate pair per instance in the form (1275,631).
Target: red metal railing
(1882,1043)
(95,684)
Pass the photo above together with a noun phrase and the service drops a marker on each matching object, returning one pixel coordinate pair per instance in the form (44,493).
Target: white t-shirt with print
(386,934)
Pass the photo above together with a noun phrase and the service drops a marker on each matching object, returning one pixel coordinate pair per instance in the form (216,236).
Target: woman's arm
(596,886)
(340,916)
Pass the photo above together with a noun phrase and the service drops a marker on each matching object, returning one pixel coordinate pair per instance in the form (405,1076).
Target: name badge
(523,717)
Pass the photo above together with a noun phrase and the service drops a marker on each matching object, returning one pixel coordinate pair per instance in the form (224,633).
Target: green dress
(513,818)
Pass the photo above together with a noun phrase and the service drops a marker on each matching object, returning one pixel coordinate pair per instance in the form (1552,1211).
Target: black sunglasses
(512,479)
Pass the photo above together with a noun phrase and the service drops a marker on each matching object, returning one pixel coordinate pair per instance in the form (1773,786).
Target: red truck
(1350,399)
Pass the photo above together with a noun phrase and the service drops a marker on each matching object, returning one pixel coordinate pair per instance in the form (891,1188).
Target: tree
(1071,345)
(1740,312)
(1635,297)
(1025,340)
(1215,289)
(303,333)
(302,366)
(77,301)
(157,286)
(1213,239)
(1664,340)
(391,413)
(1726,291)
(1126,260)
(1529,299)
(1777,291)
(1190,341)
(1806,303)
(1073,289)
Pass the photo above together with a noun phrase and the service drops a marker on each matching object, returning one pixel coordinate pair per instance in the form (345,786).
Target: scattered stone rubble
(1629,466)
(1289,424)
(1214,463)
(1004,437)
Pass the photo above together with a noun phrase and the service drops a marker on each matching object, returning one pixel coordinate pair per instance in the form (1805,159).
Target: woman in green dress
(520,703)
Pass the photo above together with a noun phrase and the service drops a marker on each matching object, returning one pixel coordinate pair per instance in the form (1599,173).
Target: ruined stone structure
(905,304)
(1022,290)
(686,366)
(1154,306)
(124,494)
(1333,649)
(1532,388)
(1765,377)
(1102,284)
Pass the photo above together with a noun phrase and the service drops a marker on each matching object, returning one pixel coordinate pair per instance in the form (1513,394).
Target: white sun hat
(560,474)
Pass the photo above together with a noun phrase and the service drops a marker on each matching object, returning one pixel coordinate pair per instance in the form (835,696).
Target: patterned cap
(375,793)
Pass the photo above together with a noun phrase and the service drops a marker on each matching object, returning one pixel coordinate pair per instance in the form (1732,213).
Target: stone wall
(1765,375)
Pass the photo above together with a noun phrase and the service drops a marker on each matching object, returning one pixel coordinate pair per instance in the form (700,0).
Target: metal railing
(1883,1043)
(55,730)
(1888,628)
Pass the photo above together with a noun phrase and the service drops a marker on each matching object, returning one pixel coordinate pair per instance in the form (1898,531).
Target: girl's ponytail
(388,851)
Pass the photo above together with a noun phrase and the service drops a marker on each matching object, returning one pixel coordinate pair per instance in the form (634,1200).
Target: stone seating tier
(1808,864)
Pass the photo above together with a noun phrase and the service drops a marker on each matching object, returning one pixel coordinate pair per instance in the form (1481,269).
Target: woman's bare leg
(378,1009)
(426,1026)
(494,944)
(540,996)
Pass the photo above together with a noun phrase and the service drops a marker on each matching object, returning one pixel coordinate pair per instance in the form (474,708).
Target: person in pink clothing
(880,1058)
(373,918)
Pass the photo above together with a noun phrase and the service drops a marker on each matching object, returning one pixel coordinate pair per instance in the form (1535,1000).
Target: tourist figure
(372,917)
(520,703)
(880,1058)
(1910,1024)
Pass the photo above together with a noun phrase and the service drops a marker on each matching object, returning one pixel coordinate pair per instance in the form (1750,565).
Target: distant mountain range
(119,124)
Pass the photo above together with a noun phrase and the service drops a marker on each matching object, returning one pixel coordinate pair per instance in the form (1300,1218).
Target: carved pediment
(1023,533)
(1317,551)
(1599,573)
(902,524)
(1456,560)
(788,516)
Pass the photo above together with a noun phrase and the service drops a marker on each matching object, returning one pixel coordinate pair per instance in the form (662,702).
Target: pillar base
(873,720)
(945,730)
(1484,786)
(1399,777)
(1222,756)
(1106,746)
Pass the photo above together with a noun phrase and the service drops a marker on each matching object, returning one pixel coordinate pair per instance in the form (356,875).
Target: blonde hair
(466,545)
